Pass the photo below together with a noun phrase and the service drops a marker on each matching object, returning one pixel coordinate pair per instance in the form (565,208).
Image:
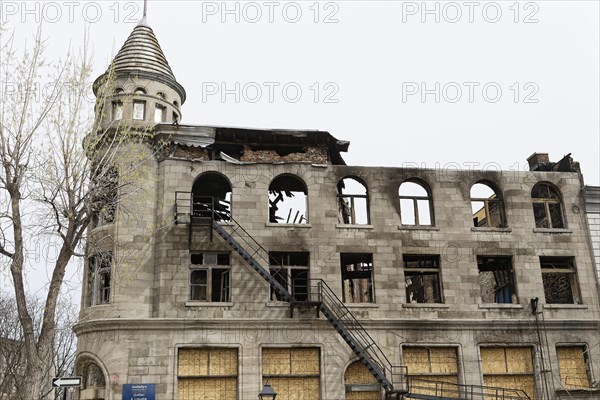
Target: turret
(138,89)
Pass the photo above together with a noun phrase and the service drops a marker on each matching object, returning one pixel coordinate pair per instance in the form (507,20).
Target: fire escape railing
(203,210)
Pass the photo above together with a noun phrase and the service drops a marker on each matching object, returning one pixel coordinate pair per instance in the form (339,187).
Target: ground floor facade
(305,359)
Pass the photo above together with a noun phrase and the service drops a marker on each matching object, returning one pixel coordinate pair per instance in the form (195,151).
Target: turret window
(160,114)
(117,110)
(99,279)
(140,91)
(139,110)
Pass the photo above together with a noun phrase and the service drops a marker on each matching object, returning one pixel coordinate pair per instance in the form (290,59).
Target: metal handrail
(425,387)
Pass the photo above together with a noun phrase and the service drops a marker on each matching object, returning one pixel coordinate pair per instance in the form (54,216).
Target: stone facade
(137,335)
(592,208)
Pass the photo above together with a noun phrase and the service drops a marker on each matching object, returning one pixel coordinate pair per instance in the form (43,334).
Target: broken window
(360,383)
(574,366)
(357,277)
(288,199)
(422,276)
(353,202)
(105,189)
(207,373)
(210,275)
(416,207)
(294,373)
(547,208)
(560,280)
(291,270)
(99,279)
(428,366)
(92,376)
(487,207)
(496,279)
(211,192)
(508,368)
(160,114)
(117,110)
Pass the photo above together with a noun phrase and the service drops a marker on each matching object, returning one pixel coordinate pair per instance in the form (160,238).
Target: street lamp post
(267,392)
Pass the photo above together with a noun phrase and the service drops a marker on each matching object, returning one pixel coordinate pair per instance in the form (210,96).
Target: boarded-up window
(573,366)
(360,383)
(508,368)
(432,371)
(293,373)
(207,373)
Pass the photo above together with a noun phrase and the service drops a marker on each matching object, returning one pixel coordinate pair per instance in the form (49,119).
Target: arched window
(93,380)
(547,208)
(487,206)
(211,191)
(288,200)
(140,90)
(416,207)
(161,95)
(360,383)
(353,202)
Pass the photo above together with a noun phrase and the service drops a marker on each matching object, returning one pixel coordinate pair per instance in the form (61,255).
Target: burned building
(246,256)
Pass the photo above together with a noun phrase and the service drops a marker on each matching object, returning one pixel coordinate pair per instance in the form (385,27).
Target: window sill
(501,306)
(361,305)
(552,230)
(278,304)
(484,229)
(417,228)
(207,304)
(354,226)
(425,305)
(566,306)
(274,225)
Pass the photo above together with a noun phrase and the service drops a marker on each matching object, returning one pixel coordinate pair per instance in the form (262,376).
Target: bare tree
(51,184)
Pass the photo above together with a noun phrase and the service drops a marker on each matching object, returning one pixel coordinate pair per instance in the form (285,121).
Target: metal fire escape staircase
(203,211)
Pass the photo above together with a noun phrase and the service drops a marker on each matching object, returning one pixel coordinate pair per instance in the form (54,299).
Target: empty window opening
(353,202)
(291,270)
(288,199)
(294,373)
(210,277)
(139,110)
(416,207)
(496,279)
(360,383)
(547,208)
(487,207)
(428,366)
(160,114)
(99,279)
(92,378)
(117,110)
(211,191)
(560,280)
(161,95)
(357,277)
(140,90)
(508,368)
(574,366)
(207,373)
(422,278)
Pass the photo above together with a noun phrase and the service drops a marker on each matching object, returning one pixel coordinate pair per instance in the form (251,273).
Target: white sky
(370,57)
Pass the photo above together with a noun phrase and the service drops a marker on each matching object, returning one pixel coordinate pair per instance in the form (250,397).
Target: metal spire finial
(145,8)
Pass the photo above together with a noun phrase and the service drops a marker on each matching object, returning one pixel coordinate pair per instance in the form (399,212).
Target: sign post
(139,391)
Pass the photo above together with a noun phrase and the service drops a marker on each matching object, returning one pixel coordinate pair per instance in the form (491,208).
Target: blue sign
(139,391)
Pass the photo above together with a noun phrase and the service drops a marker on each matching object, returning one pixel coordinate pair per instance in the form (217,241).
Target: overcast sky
(440,84)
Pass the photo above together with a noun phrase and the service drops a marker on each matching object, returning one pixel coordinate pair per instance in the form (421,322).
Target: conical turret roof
(141,55)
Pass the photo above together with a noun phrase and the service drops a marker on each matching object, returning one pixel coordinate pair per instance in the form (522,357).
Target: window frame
(291,375)
(208,375)
(498,199)
(570,269)
(586,361)
(415,201)
(508,267)
(133,113)
(210,269)
(117,110)
(163,113)
(99,267)
(370,279)
(436,269)
(287,266)
(349,201)
(531,374)
(545,202)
